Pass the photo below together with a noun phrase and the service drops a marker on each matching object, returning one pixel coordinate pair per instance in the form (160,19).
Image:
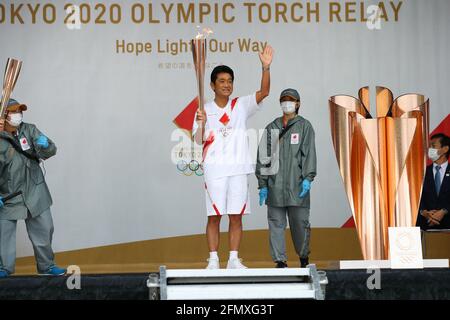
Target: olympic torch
(199,55)
(12,72)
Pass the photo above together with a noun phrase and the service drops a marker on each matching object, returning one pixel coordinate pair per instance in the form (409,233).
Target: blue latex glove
(305,187)
(263,192)
(1,203)
(42,141)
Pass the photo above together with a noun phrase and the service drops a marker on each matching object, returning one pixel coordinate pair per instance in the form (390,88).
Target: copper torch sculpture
(382,162)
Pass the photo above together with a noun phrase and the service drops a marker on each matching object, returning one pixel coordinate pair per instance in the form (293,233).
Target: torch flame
(205,32)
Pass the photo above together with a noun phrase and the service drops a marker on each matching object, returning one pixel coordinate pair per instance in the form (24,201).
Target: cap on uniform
(290,93)
(15,106)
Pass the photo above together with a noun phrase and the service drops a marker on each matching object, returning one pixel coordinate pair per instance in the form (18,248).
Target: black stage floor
(429,284)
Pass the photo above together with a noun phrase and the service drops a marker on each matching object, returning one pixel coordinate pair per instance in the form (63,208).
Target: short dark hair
(444,140)
(221,69)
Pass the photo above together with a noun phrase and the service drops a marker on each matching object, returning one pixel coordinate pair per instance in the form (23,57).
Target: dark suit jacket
(432,201)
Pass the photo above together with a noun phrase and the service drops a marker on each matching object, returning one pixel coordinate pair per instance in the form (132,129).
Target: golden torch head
(12,71)
(198,45)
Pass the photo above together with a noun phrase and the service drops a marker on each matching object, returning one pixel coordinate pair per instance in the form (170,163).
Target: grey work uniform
(297,161)
(21,173)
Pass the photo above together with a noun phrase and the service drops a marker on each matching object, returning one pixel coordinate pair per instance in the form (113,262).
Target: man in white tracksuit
(222,129)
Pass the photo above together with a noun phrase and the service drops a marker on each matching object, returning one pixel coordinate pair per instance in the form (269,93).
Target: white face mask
(288,106)
(15,119)
(433,154)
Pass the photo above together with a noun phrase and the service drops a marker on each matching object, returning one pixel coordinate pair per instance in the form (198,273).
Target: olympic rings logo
(188,169)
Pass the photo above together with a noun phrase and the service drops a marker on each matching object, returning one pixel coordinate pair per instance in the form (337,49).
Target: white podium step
(241,291)
(231,284)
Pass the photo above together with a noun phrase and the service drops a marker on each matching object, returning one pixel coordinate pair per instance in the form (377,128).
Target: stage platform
(430,284)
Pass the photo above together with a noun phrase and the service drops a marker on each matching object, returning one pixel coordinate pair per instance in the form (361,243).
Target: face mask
(16,119)
(433,154)
(288,106)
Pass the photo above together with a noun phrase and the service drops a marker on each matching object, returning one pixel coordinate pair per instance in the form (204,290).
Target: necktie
(437,179)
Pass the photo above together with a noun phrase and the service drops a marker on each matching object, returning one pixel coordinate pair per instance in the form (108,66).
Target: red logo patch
(225,119)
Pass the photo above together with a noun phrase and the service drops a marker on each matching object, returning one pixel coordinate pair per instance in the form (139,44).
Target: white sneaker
(213,264)
(235,264)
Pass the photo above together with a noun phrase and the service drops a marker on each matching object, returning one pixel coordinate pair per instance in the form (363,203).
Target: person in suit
(435,201)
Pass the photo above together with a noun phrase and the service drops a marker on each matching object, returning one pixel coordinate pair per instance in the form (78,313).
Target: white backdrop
(111,113)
